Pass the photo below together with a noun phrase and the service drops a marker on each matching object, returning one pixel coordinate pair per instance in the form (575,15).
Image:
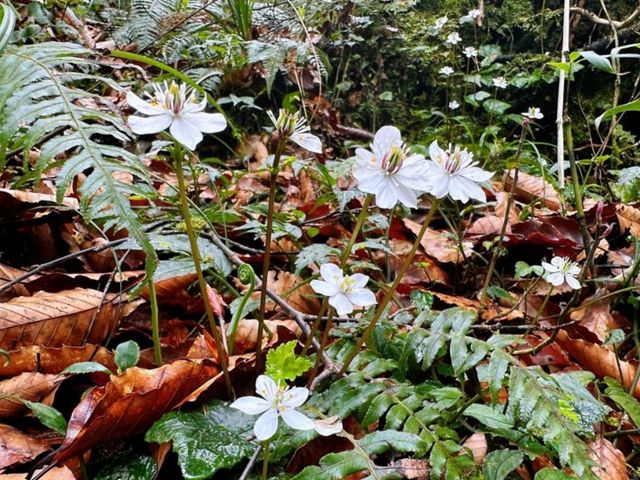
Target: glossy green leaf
(87,367)
(129,466)
(48,416)
(598,61)
(203,446)
(127,355)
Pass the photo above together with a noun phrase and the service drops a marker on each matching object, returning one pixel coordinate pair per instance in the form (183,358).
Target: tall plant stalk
(392,290)
(561,93)
(195,254)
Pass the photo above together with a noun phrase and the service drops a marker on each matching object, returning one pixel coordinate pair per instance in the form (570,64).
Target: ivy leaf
(87,367)
(203,447)
(283,364)
(48,416)
(500,463)
(127,355)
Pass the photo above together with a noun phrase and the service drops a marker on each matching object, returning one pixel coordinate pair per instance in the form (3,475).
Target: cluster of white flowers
(471,16)
(174,107)
(561,270)
(440,23)
(277,401)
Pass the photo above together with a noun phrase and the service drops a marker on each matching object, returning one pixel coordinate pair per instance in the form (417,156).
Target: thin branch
(604,21)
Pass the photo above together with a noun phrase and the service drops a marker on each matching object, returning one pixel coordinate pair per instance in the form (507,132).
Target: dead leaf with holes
(610,462)
(17,447)
(130,403)
(30,386)
(70,317)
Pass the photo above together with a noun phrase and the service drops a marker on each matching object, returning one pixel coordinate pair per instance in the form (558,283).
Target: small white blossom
(446,71)
(454,173)
(471,16)
(295,128)
(176,108)
(470,52)
(345,292)
(454,105)
(453,38)
(274,402)
(533,113)
(389,172)
(440,23)
(561,270)
(500,82)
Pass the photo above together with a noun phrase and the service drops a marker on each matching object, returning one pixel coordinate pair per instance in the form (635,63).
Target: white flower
(441,22)
(176,108)
(388,172)
(275,402)
(533,113)
(455,174)
(453,38)
(295,128)
(344,292)
(475,13)
(500,82)
(328,426)
(454,105)
(446,71)
(470,52)
(561,270)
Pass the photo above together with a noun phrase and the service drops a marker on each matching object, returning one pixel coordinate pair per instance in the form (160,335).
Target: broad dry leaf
(629,219)
(441,245)
(17,448)
(610,462)
(294,290)
(10,198)
(529,188)
(596,318)
(502,200)
(30,386)
(7,274)
(599,360)
(489,225)
(56,473)
(70,317)
(54,360)
(477,443)
(412,468)
(130,403)
(247,334)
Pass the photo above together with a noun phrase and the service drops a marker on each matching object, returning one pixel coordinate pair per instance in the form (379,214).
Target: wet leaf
(127,355)
(48,416)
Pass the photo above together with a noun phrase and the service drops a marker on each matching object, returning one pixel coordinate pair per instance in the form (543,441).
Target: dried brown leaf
(17,448)
(629,219)
(441,245)
(26,386)
(477,443)
(596,318)
(53,360)
(610,462)
(294,290)
(529,188)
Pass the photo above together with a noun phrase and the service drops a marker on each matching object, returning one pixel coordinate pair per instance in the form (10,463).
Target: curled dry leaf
(26,386)
(70,317)
(54,360)
(17,448)
(489,225)
(247,334)
(629,219)
(610,462)
(529,188)
(599,360)
(7,274)
(441,245)
(297,293)
(215,301)
(130,403)
(596,319)
(477,443)
(502,200)
(56,473)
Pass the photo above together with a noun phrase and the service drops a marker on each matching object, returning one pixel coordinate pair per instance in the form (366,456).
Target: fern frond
(40,98)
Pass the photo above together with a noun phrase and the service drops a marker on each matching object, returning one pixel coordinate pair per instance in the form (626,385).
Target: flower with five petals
(345,292)
(176,108)
(561,270)
(389,172)
(454,173)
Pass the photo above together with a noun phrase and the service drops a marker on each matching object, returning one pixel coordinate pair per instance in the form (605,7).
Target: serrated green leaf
(87,367)
(488,416)
(48,416)
(335,466)
(500,463)
(382,441)
(203,447)
(627,402)
(127,355)
(283,364)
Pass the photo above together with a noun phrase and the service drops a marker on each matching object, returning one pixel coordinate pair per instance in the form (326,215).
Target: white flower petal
(307,141)
(360,280)
(476,174)
(266,425)
(362,297)
(386,194)
(328,426)
(185,133)
(368,177)
(572,282)
(341,303)
(251,405)
(406,196)
(297,420)
(294,397)
(207,122)
(549,268)
(557,262)
(365,155)
(471,189)
(143,107)
(266,387)
(457,190)
(148,125)
(385,138)
(436,153)
(324,288)
(556,279)
(331,273)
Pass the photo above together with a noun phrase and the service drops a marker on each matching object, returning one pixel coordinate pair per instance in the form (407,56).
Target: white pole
(561,89)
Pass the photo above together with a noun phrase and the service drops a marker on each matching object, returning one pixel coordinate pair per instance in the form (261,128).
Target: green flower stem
(267,247)
(323,345)
(246,275)
(392,290)
(195,254)
(265,460)
(346,253)
(155,323)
